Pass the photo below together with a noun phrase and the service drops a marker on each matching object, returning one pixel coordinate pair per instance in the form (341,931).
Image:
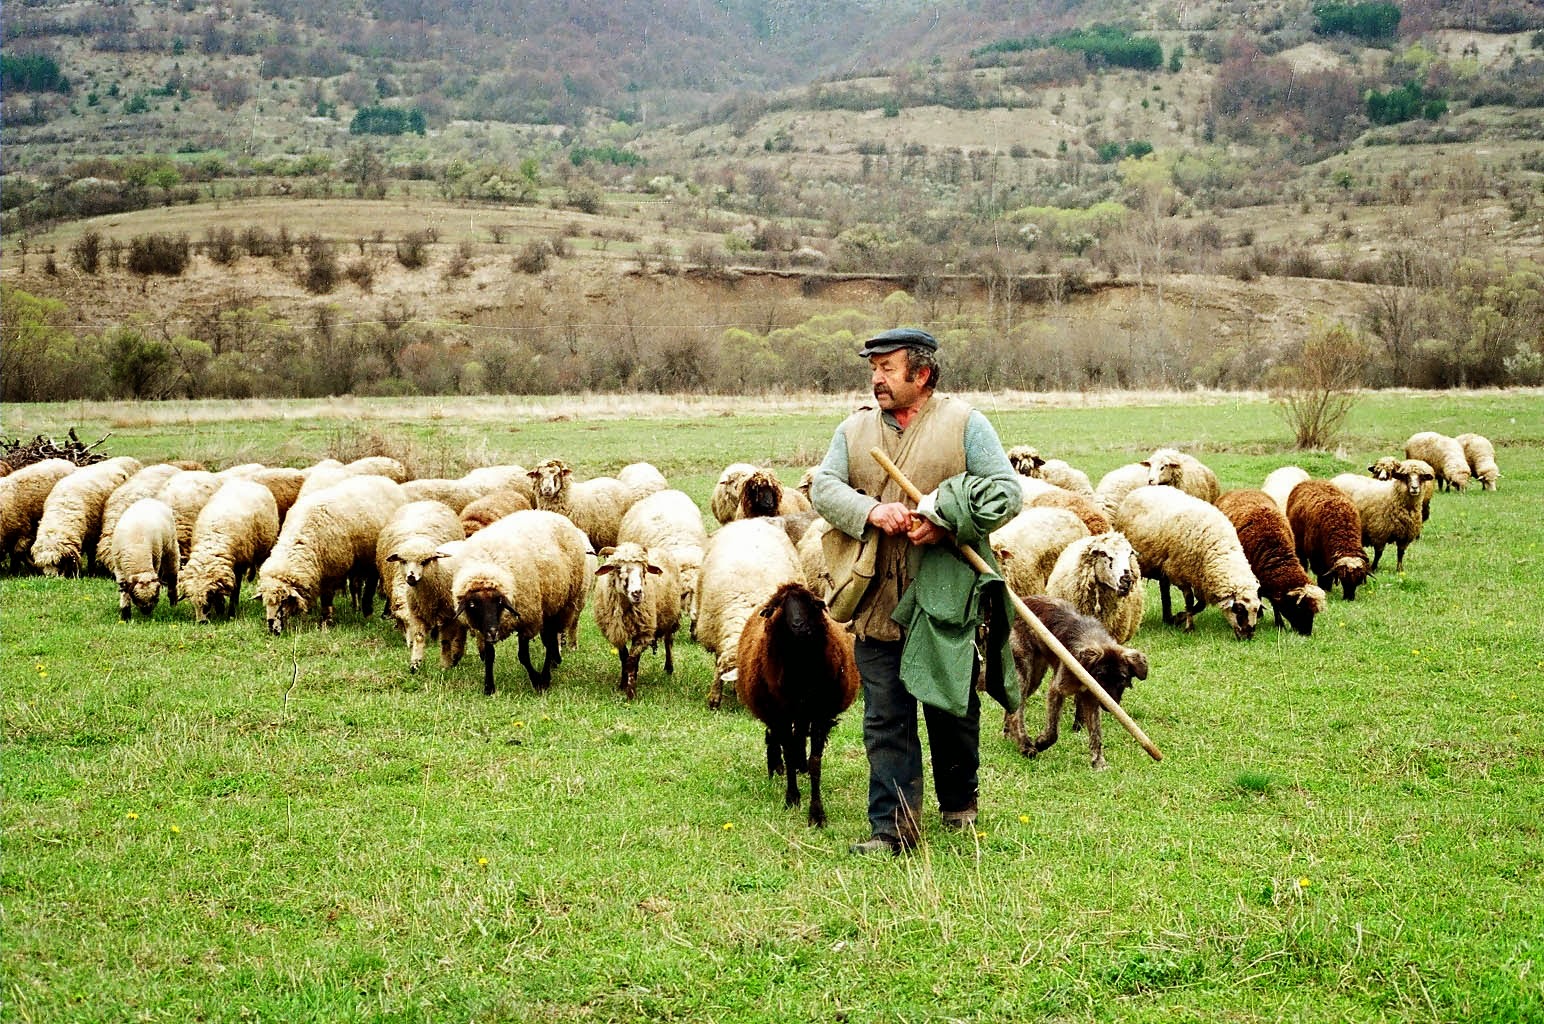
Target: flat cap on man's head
(898,337)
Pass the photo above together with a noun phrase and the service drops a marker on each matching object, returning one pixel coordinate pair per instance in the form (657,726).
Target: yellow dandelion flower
(176,830)
(132,816)
(482,862)
(519,724)
(980,835)
(1024,819)
(728,825)
(1302,883)
(1415,651)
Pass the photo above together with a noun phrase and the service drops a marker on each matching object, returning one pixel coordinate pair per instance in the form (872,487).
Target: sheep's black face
(762,497)
(801,615)
(1299,613)
(483,612)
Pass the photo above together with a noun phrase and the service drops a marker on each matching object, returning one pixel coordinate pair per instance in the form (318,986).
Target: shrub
(1317,394)
(413,249)
(86,252)
(362,273)
(220,245)
(321,273)
(158,254)
(534,257)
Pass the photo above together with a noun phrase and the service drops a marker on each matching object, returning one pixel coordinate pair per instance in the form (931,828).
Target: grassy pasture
(211,823)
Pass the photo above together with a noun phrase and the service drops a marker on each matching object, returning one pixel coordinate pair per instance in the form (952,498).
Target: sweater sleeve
(985,458)
(837,501)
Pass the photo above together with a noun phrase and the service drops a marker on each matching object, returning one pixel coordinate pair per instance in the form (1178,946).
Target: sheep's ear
(653,569)
(565,471)
(504,604)
(461,606)
(608,567)
(1146,464)
(768,611)
(433,556)
(1137,661)
(393,557)
(606,552)
(1003,554)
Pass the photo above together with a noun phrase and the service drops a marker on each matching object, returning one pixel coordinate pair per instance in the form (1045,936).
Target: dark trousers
(895,750)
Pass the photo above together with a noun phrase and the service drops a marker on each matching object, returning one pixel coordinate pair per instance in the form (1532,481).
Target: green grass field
(210,823)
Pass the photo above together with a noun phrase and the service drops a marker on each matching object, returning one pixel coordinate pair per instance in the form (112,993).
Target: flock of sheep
(506,551)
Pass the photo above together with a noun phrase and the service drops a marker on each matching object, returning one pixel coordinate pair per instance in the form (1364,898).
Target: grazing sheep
(1390,510)
(1190,543)
(147,483)
(796,674)
(670,520)
(144,557)
(328,538)
(762,494)
(643,478)
(637,604)
(725,501)
(284,484)
(746,562)
(232,536)
(1385,467)
(71,523)
(1028,545)
(187,493)
(1279,483)
(1116,484)
(1113,666)
(507,476)
(416,528)
(430,608)
(1445,456)
(457,493)
(1176,469)
(322,476)
(1327,531)
(1101,576)
(22,497)
(523,576)
(1481,456)
(378,465)
(1267,541)
(1027,461)
(1080,505)
(595,506)
(490,508)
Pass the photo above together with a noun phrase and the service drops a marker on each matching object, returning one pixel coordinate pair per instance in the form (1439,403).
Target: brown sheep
(1272,554)
(763,495)
(490,508)
(796,673)
(1079,505)
(1328,532)
(1113,667)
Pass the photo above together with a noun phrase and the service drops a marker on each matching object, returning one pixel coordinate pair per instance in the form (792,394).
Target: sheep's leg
(716,691)
(486,651)
(1377,553)
(417,639)
(818,733)
(774,753)
(550,657)
(125,609)
(670,654)
(367,597)
(524,654)
(1163,594)
(793,753)
(452,644)
(1399,559)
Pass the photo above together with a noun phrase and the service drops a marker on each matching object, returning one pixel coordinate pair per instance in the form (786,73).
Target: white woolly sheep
(812,559)
(1101,576)
(1033,488)
(233,534)
(147,483)
(670,520)
(415,528)
(747,561)
(1390,510)
(187,493)
(637,604)
(490,508)
(429,609)
(1116,484)
(327,538)
(1067,477)
(1025,460)
(1279,483)
(22,497)
(71,523)
(457,493)
(283,483)
(1444,455)
(1080,505)
(725,501)
(1189,474)
(502,477)
(644,479)
(595,506)
(378,465)
(1384,467)
(322,476)
(522,576)
(1481,456)
(144,557)
(245,470)
(1028,545)
(1190,543)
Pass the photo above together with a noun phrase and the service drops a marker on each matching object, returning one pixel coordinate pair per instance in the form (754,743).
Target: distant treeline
(32,72)
(1372,22)
(387,121)
(1098,44)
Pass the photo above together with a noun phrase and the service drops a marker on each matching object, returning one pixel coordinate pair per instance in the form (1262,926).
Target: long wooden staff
(1046,636)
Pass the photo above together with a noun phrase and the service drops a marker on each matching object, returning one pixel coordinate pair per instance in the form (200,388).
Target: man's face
(895,386)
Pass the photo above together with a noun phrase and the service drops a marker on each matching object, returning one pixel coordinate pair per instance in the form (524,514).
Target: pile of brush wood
(16,453)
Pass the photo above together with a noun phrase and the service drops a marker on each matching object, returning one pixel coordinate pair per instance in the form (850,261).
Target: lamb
(725,501)
(762,494)
(147,483)
(1327,530)
(746,562)
(144,557)
(327,538)
(643,478)
(1444,454)
(524,575)
(670,520)
(1279,483)
(1481,456)
(1029,544)
(283,483)
(187,493)
(1114,667)
(595,506)
(1268,544)
(490,508)
(1116,484)
(1079,505)
(796,673)
(1176,469)
(414,530)
(430,608)
(1185,541)
(22,497)
(637,604)
(232,536)
(1101,576)
(1390,509)
(71,523)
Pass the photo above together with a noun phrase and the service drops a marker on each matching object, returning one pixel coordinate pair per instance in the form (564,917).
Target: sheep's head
(482,609)
(1352,571)
(627,568)
(1025,459)
(414,561)
(142,588)
(1164,467)
(209,599)
(1114,563)
(1385,468)
(1300,605)
(761,495)
(1242,610)
(550,478)
(55,559)
(1488,479)
(1114,668)
(282,602)
(799,611)
(1458,479)
(1416,476)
